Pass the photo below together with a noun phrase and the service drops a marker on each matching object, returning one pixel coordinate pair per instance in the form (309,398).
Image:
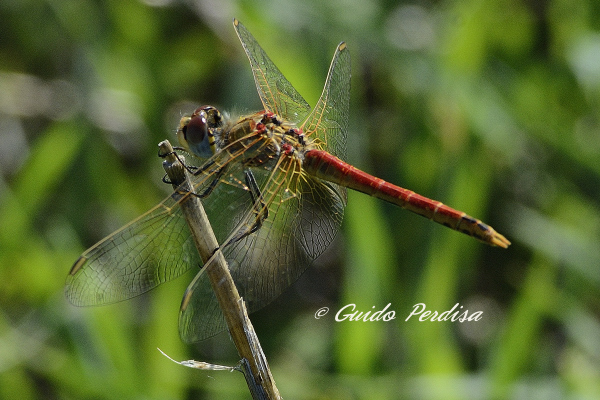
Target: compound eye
(196,130)
(195,134)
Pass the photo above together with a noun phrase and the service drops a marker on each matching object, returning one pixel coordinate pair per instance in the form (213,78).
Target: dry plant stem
(254,363)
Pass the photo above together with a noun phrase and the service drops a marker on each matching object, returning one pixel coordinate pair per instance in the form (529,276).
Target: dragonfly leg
(259,208)
(191,169)
(213,183)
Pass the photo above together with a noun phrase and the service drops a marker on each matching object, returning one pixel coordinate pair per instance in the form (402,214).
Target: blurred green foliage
(492,106)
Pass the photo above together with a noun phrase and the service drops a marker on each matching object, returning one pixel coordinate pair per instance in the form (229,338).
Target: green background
(489,106)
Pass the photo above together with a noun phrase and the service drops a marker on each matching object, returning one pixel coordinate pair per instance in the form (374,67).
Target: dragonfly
(273,185)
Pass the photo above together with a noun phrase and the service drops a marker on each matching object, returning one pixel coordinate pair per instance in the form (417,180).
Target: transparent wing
(155,247)
(304,215)
(276,93)
(328,121)
(152,249)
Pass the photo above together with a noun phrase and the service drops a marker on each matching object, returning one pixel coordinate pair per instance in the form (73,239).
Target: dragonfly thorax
(263,137)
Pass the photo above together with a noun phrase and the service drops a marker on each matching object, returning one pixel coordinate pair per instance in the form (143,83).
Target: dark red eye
(196,131)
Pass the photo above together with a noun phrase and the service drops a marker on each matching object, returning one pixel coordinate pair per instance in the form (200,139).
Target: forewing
(276,92)
(152,249)
(328,121)
(157,246)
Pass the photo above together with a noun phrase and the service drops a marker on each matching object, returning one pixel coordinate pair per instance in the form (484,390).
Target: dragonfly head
(196,132)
